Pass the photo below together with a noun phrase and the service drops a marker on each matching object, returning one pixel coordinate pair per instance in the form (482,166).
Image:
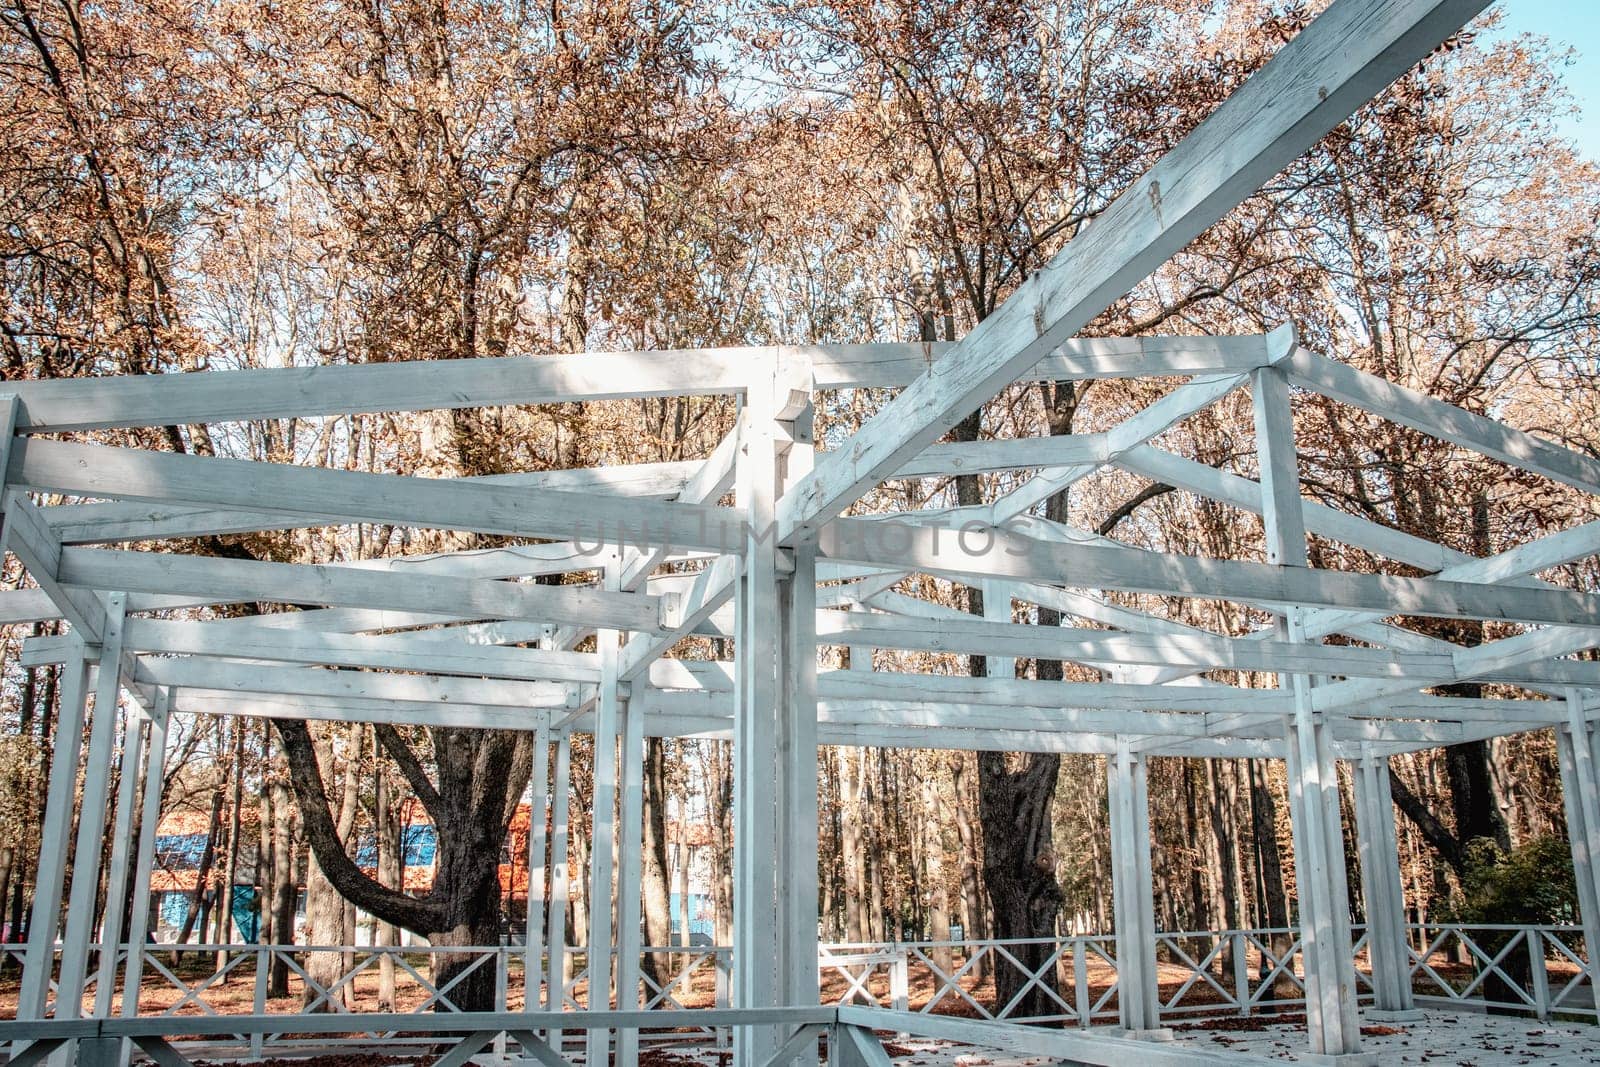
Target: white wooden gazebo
(444,639)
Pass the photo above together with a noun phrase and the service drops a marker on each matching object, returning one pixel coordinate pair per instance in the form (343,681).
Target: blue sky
(1574,23)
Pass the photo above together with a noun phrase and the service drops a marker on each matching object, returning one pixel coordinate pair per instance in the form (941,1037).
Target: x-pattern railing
(946,976)
(1034,979)
(1485,964)
(1199,971)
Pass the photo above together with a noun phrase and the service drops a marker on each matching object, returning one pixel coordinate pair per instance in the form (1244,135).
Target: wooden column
(607,718)
(557,971)
(94,802)
(135,736)
(60,799)
(773,722)
(629,873)
(797,731)
(1133,894)
(1331,1018)
(533,939)
(155,769)
(1383,892)
(1578,749)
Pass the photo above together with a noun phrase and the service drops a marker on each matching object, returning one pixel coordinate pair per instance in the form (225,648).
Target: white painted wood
(50,876)
(1156,419)
(710,589)
(201,672)
(1445,421)
(135,736)
(224,396)
(422,652)
(1200,651)
(1074,359)
(557,966)
(608,714)
(28,538)
(1580,795)
(300,392)
(1138,987)
(982,551)
(757,974)
(236,580)
(439,503)
(1381,888)
(533,926)
(1016,453)
(26,605)
(114,521)
(630,875)
(93,804)
(1466,664)
(1328,70)
(144,863)
(711,480)
(431,712)
(1329,978)
(796,753)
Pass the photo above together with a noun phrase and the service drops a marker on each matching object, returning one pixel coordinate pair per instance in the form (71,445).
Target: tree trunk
(973,926)
(850,847)
(1269,862)
(933,862)
(284,887)
(656,966)
(199,904)
(387,830)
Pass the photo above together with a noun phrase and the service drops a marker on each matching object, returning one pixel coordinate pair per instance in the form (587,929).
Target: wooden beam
(710,589)
(1446,421)
(1199,651)
(200,672)
(201,701)
(1074,359)
(425,653)
(981,551)
(1345,57)
(301,392)
(115,521)
(242,581)
(438,503)
(28,538)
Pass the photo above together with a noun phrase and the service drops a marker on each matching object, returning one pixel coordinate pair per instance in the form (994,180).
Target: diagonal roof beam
(1407,407)
(1345,57)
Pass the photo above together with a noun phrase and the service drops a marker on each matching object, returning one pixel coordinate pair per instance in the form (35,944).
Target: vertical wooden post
(1576,746)
(556,972)
(79,936)
(533,939)
(135,736)
(757,650)
(629,881)
(149,822)
(797,730)
(607,717)
(1381,888)
(61,798)
(1331,1018)
(1133,895)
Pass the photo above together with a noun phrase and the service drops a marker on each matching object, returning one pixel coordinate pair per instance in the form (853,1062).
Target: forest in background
(188,185)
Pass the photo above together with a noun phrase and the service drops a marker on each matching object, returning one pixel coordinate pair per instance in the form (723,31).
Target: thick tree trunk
(657,904)
(284,886)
